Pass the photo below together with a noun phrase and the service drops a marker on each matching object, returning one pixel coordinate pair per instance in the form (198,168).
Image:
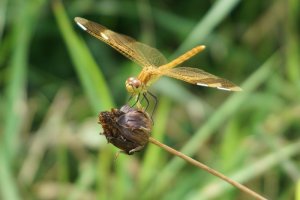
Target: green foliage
(55,78)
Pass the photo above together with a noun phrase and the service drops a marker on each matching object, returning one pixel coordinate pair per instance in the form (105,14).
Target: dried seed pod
(128,128)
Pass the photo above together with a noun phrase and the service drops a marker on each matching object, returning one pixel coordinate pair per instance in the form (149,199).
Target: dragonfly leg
(155,103)
(136,101)
(142,99)
(129,99)
(145,97)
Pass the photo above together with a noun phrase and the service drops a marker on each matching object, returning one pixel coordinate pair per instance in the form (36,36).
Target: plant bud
(128,128)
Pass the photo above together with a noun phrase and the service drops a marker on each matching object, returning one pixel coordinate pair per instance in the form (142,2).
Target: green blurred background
(55,79)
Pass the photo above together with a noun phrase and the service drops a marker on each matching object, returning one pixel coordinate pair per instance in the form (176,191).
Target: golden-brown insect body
(154,64)
(149,75)
(143,81)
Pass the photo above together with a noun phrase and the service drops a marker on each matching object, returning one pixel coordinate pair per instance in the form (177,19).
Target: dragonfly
(153,62)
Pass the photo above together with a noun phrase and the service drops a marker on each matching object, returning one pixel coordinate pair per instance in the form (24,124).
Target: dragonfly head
(133,85)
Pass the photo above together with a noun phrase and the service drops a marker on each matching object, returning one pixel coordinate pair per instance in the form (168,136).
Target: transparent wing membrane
(153,62)
(140,53)
(200,77)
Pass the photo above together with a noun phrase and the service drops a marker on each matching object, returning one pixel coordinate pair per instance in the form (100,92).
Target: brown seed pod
(128,128)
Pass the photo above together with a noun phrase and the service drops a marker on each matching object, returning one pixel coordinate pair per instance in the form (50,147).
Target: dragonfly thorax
(133,85)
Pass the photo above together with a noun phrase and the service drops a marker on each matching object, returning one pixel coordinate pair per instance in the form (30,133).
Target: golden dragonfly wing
(200,77)
(138,52)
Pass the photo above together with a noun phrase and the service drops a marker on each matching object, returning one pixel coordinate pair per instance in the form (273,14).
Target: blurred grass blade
(84,181)
(3,6)
(207,129)
(87,70)
(145,14)
(292,41)
(100,97)
(177,25)
(103,173)
(297,193)
(154,156)
(249,172)
(15,90)
(205,26)
(8,189)
(24,20)
(93,84)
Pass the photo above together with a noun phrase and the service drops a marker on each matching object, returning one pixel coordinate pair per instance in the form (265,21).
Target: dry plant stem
(206,168)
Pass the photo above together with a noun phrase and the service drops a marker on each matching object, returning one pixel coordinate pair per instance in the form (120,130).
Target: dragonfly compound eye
(132,84)
(136,83)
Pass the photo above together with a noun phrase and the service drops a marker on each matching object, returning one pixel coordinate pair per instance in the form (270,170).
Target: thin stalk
(206,168)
